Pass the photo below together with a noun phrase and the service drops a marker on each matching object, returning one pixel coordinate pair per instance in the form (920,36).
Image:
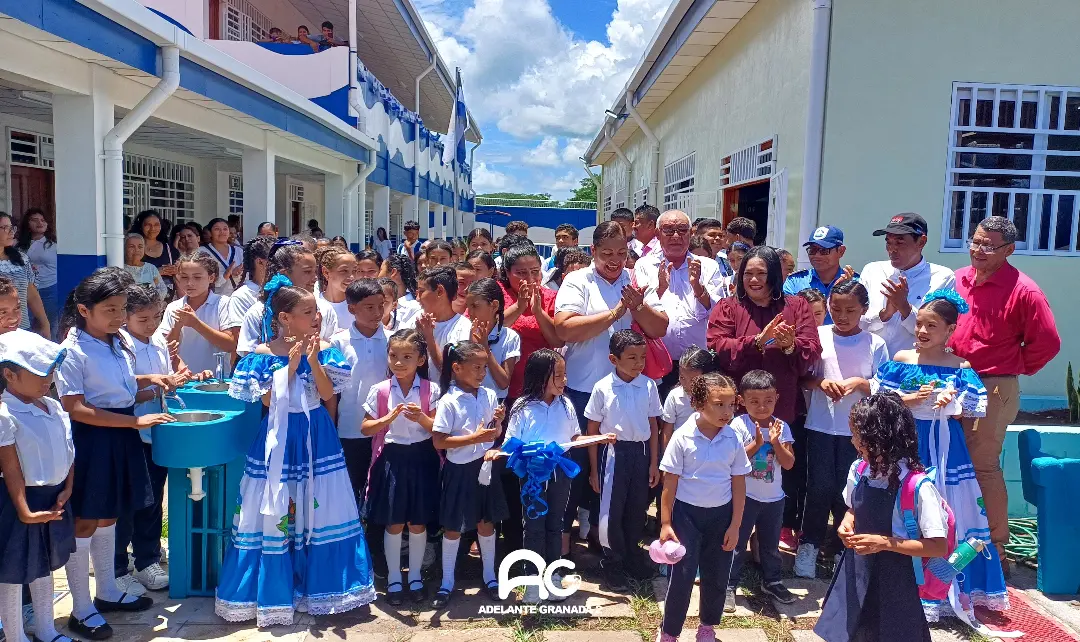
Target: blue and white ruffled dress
(943,446)
(297,543)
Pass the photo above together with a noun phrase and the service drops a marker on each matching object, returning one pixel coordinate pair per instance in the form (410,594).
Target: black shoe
(614,577)
(778,592)
(141,603)
(394,597)
(492,590)
(417,594)
(82,629)
(442,598)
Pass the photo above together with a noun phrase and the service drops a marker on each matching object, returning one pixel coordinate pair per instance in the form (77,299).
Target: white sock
(41,592)
(11,612)
(487,556)
(449,561)
(392,549)
(103,550)
(417,544)
(78,578)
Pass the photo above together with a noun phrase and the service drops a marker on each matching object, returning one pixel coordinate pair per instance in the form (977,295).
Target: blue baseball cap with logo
(826,236)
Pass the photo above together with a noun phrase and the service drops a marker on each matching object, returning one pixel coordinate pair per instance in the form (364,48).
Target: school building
(799,113)
(109,107)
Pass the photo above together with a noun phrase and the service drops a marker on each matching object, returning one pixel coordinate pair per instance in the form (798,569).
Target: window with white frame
(242,21)
(641,194)
(679,181)
(1014,151)
(236,194)
(609,193)
(29,149)
(749,164)
(622,188)
(165,186)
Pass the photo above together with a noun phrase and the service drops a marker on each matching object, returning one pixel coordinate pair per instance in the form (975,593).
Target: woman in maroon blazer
(761,329)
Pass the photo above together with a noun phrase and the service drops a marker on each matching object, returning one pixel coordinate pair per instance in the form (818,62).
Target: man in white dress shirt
(897,286)
(687,285)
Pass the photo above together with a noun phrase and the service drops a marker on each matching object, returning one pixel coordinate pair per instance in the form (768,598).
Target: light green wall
(892,68)
(750,87)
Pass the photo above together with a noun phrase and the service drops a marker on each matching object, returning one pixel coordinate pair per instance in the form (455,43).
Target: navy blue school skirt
(464,502)
(32,551)
(111,477)
(404,487)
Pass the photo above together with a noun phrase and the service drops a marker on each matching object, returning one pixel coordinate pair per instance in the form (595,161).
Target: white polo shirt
(196,351)
(407,312)
(251,329)
(764,479)
(932,520)
(923,278)
(235,256)
(104,375)
(585,292)
(42,439)
(402,431)
(341,311)
(842,357)
(368,358)
(242,300)
(456,328)
(677,409)
(150,358)
(704,466)
(459,414)
(624,407)
(507,345)
(687,318)
(535,420)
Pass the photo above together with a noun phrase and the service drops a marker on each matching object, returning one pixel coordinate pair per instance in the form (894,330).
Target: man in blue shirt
(825,248)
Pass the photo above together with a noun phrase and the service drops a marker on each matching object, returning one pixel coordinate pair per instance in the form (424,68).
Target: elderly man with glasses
(687,285)
(825,248)
(1009,331)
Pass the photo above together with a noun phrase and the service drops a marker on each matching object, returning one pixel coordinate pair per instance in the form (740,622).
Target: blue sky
(538,75)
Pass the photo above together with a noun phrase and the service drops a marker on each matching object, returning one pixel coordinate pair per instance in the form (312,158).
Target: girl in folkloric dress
(297,543)
(942,391)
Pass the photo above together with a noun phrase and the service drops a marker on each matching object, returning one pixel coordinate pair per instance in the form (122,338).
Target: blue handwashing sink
(208,395)
(212,429)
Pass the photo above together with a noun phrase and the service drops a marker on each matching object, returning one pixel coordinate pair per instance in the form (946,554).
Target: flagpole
(457,161)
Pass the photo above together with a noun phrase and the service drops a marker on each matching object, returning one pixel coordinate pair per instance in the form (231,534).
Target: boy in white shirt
(625,403)
(436,290)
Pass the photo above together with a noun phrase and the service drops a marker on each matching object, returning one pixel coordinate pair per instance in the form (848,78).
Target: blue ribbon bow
(272,286)
(536,462)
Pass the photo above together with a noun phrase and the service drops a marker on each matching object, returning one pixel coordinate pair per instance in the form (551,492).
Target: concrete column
(381,211)
(440,230)
(423,213)
(282,214)
(79,127)
(408,208)
(334,205)
(260,190)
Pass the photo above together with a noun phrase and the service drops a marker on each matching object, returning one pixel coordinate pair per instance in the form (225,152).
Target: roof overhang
(395,46)
(686,35)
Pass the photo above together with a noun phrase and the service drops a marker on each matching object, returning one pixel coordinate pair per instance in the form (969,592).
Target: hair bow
(272,286)
(952,296)
(535,463)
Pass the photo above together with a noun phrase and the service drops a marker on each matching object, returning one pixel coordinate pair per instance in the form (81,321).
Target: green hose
(1023,543)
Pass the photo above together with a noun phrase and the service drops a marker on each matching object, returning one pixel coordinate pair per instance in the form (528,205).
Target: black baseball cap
(906,223)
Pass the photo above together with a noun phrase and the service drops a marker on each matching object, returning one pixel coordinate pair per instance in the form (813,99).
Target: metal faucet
(222,360)
(163,396)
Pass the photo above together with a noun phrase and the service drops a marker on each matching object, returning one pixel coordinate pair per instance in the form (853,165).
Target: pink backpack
(382,403)
(931,587)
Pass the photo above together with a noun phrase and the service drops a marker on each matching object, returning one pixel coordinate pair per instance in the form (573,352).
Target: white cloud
(546,154)
(487,180)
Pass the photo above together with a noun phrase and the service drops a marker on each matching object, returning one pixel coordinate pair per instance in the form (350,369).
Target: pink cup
(669,552)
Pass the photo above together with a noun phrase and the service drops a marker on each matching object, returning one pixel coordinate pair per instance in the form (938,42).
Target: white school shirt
(242,300)
(405,315)
(196,351)
(251,328)
(535,420)
(899,334)
(763,482)
(585,292)
(402,431)
(235,256)
(459,414)
(368,358)
(104,375)
(687,318)
(624,407)
(43,262)
(841,357)
(677,409)
(932,521)
(341,311)
(456,328)
(150,358)
(704,465)
(42,439)
(507,346)
(385,248)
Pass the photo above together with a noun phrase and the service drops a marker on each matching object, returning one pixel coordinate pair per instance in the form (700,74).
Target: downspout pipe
(416,143)
(114,151)
(654,190)
(599,189)
(354,88)
(356,204)
(815,121)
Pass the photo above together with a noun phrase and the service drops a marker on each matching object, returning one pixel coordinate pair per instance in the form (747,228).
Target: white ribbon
(276,496)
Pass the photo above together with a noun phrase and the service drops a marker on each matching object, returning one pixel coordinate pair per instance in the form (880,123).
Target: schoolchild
(337,270)
(97,385)
(403,487)
(256,263)
(850,357)
(199,319)
(368,264)
(37,529)
(402,272)
(10,305)
(466,276)
(439,324)
(485,304)
(704,493)
(468,420)
(677,408)
(626,403)
(874,595)
(769,446)
(228,258)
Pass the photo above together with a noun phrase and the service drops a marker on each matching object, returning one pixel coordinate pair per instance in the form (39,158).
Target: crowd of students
(738,394)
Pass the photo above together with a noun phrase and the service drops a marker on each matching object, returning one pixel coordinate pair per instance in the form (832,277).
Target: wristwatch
(790,349)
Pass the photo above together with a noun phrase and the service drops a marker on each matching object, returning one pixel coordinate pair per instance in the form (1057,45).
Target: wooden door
(33,187)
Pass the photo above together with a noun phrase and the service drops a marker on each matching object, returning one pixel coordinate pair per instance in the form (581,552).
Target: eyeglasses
(681,230)
(981,248)
(817,250)
(9,228)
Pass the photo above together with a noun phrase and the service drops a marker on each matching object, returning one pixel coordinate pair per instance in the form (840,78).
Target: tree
(585,192)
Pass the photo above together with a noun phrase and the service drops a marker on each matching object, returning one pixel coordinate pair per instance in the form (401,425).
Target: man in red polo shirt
(1009,331)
